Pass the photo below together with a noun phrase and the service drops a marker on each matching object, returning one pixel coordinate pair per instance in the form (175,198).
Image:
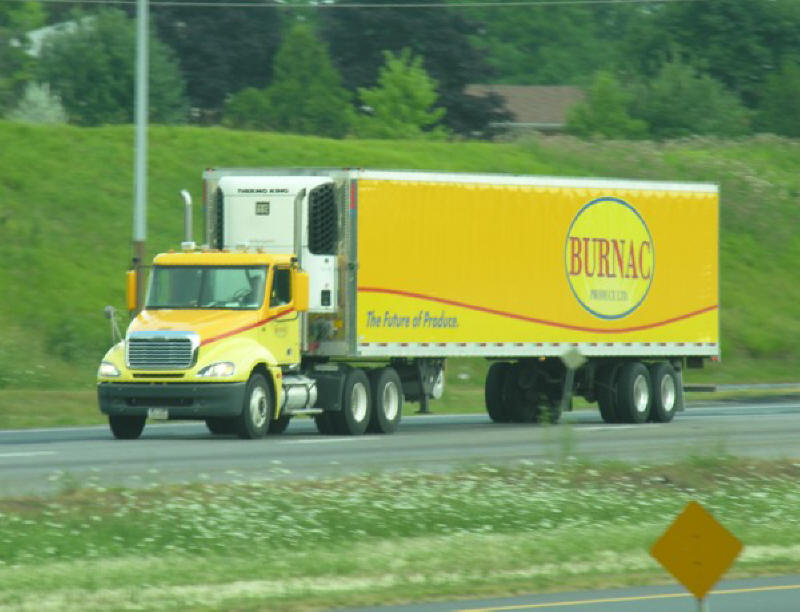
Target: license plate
(159,414)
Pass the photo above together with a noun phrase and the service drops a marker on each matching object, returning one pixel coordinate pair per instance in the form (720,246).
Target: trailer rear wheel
(126,427)
(606,392)
(257,409)
(665,392)
(493,392)
(522,394)
(353,418)
(387,400)
(221,425)
(633,393)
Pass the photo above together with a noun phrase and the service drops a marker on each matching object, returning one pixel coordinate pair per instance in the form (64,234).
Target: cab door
(283,319)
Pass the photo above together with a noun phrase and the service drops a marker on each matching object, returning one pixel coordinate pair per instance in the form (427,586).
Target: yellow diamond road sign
(696,549)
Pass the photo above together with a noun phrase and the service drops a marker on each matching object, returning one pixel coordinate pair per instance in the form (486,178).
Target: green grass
(377,539)
(65,219)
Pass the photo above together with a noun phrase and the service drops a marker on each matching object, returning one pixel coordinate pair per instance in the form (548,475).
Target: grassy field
(378,539)
(65,218)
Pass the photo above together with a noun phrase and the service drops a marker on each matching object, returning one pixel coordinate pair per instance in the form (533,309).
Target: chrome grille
(161,350)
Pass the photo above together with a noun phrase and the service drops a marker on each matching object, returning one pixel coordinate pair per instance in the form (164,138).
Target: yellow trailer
(601,287)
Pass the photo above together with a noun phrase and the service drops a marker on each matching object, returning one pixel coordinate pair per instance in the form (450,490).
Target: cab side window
(281,287)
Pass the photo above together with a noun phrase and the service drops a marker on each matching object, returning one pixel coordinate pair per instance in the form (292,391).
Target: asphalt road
(45,460)
(776,594)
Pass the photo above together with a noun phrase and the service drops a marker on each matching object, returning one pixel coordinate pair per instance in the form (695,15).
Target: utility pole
(140,171)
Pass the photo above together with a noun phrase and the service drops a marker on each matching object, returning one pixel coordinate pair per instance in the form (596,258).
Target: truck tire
(126,427)
(221,426)
(493,392)
(633,393)
(522,394)
(387,401)
(279,425)
(606,392)
(353,418)
(256,412)
(324,423)
(664,391)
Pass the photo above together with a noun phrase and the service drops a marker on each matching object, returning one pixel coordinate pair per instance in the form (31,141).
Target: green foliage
(16,65)
(92,70)
(401,105)
(605,112)
(679,102)
(39,105)
(306,96)
(779,110)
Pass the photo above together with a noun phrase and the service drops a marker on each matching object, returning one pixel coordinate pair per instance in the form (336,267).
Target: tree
(737,43)
(358,37)
(221,50)
(39,105)
(605,112)
(779,110)
(306,95)
(92,70)
(401,106)
(679,102)
(16,64)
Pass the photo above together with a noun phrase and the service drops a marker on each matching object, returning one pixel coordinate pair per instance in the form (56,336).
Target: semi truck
(339,293)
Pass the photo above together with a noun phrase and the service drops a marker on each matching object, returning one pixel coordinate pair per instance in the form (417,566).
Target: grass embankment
(380,539)
(65,218)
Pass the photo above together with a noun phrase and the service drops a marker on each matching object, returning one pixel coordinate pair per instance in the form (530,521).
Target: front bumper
(182,400)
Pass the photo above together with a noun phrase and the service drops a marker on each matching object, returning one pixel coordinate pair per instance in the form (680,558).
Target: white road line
(324,440)
(27,454)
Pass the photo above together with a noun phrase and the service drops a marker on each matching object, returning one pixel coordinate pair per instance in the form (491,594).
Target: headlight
(222,369)
(107,370)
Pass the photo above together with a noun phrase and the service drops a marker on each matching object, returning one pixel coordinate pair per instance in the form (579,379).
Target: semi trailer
(339,294)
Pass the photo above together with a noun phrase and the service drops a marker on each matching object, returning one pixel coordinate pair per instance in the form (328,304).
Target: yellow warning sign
(696,549)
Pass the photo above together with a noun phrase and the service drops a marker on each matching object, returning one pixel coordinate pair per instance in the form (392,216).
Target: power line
(331,4)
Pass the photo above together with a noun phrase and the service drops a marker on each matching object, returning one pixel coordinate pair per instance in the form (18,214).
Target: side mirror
(300,291)
(131,293)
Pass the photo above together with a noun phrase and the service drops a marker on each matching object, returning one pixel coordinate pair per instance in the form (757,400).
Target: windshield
(238,287)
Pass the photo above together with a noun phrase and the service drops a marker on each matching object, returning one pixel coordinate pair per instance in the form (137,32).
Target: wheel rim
(258,407)
(641,393)
(358,402)
(438,386)
(668,392)
(390,401)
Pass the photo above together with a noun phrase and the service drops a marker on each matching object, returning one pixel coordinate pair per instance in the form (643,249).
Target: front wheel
(257,409)
(387,400)
(126,427)
(354,416)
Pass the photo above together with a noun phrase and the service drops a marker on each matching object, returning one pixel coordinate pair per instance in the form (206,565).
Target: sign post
(696,550)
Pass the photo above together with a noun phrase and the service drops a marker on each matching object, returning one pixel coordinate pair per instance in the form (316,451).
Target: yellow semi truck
(339,293)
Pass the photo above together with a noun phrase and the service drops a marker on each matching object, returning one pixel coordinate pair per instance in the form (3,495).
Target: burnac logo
(609,258)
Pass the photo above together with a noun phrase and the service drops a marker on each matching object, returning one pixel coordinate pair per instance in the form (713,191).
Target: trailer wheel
(353,418)
(633,393)
(664,391)
(606,392)
(257,409)
(522,394)
(126,427)
(493,392)
(279,425)
(221,425)
(387,401)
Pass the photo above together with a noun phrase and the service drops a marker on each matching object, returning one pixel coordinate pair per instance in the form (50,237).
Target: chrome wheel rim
(438,386)
(358,402)
(668,393)
(391,401)
(258,407)
(641,393)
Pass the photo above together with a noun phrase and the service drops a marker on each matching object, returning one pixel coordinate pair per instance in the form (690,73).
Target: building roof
(535,106)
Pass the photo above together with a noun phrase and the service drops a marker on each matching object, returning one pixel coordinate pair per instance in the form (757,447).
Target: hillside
(66,202)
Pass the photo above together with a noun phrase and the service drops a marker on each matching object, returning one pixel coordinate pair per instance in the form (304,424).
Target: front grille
(161,351)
